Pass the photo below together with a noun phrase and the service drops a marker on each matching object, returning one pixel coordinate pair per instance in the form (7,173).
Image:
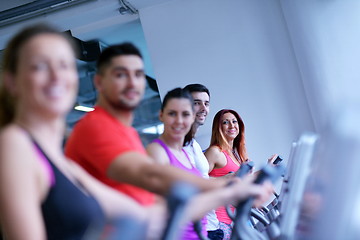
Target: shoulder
(194,149)
(189,148)
(213,152)
(13,136)
(98,130)
(157,153)
(152,147)
(17,153)
(94,121)
(197,148)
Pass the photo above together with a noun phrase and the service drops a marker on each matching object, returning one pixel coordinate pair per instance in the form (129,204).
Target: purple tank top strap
(167,150)
(45,163)
(175,162)
(43,159)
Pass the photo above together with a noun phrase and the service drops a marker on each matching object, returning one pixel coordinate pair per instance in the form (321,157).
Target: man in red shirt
(106,145)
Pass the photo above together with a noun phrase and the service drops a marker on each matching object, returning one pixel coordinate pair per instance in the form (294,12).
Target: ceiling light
(83,108)
(158,129)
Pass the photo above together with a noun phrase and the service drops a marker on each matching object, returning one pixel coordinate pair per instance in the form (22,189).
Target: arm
(140,170)
(241,189)
(112,202)
(215,157)
(116,204)
(23,185)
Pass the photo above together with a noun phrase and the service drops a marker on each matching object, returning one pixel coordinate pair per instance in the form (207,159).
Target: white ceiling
(95,19)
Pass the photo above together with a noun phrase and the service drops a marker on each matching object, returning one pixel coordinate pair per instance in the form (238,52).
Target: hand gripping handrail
(242,229)
(177,199)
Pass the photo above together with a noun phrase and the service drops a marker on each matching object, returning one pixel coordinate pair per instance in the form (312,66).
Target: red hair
(218,138)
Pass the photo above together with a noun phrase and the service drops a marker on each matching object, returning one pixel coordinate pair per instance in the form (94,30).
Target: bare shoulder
(13,139)
(152,147)
(24,184)
(10,131)
(215,156)
(18,160)
(213,151)
(157,153)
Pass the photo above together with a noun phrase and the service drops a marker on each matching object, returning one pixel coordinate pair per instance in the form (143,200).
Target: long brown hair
(10,61)
(218,138)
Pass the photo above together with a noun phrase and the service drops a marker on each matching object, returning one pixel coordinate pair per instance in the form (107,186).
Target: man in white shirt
(201,96)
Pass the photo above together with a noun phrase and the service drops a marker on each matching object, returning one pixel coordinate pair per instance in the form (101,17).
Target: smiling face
(201,106)
(122,83)
(177,116)
(229,126)
(46,78)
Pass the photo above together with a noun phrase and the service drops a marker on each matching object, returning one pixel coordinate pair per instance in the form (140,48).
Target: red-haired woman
(226,153)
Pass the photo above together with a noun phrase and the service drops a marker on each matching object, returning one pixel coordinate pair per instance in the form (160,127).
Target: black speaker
(89,51)
(152,83)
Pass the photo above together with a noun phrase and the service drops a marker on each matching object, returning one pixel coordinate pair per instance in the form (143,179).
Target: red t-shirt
(96,140)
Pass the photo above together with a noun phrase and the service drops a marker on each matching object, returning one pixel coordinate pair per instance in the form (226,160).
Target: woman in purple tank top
(177,114)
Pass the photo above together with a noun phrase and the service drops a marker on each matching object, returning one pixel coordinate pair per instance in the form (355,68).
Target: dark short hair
(180,93)
(197,87)
(177,93)
(110,52)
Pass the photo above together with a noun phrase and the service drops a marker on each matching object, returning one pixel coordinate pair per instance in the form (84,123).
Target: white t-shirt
(197,157)
(199,160)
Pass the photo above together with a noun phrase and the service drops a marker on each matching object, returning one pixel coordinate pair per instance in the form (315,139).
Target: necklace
(236,155)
